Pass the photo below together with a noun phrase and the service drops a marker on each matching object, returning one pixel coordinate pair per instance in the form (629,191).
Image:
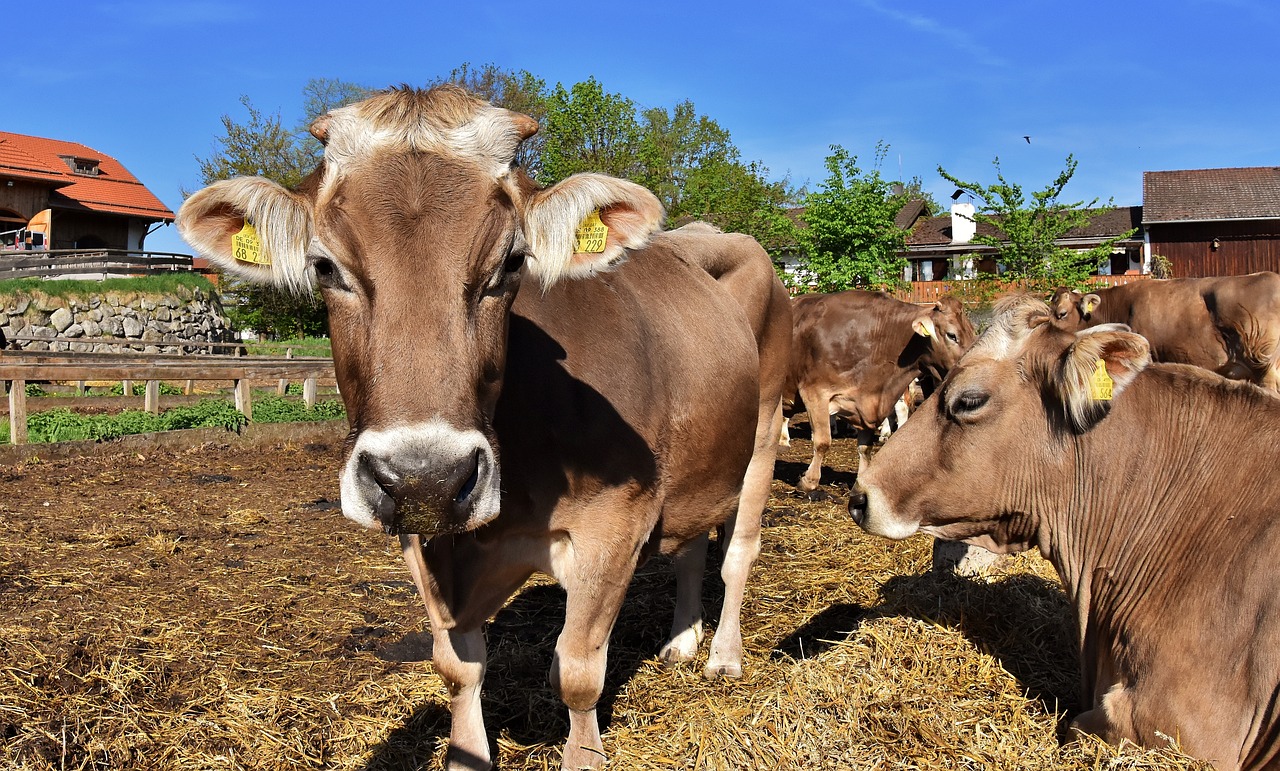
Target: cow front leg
(686,627)
(592,603)
(459,659)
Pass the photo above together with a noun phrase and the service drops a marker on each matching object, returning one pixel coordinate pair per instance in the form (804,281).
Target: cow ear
(252,227)
(585,224)
(1088,304)
(923,326)
(1096,368)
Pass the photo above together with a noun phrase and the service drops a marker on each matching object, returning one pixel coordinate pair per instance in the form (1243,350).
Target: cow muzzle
(426,479)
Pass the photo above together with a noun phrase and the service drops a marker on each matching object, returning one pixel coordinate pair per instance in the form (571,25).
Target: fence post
(127,386)
(18,411)
(244,401)
(151,402)
(309,392)
(282,387)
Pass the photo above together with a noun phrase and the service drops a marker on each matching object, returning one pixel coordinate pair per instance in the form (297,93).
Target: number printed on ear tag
(592,234)
(1101,385)
(247,247)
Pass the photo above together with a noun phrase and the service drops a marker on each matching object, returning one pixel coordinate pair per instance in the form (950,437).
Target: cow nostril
(472,479)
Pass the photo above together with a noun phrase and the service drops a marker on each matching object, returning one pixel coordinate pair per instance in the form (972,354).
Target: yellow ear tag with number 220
(247,247)
(592,234)
(1100,383)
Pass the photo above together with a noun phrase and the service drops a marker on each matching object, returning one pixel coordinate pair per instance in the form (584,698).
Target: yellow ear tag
(591,235)
(247,247)
(1100,383)
(1089,306)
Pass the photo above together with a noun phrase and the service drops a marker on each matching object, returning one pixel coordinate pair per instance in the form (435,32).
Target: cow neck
(1152,485)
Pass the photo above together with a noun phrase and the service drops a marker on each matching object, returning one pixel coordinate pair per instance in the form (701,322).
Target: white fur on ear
(210,218)
(1122,354)
(924,327)
(552,217)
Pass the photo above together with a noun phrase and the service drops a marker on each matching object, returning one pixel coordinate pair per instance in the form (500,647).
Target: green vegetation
(140,389)
(177,283)
(64,425)
(302,346)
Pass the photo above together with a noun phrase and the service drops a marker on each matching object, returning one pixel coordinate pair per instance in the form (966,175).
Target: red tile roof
(112,190)
(1211,194)
(936,231)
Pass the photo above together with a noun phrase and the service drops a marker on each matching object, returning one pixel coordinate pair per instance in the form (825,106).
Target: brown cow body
(854,353)
(572,427)
(1163,527)
(1228,324)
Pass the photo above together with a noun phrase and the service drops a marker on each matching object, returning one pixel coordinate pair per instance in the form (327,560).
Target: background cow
(1228,324)
(505,418)
(1163,526)
(854,353)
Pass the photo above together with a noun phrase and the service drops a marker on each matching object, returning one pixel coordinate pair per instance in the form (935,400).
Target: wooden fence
(20,367)
(931,291)
(95,263)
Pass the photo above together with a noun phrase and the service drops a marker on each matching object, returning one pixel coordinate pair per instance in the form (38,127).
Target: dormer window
(84,166)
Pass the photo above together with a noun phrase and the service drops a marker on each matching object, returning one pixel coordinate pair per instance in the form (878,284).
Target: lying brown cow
(1163,526)
(521,399)
(854,353)
(1228,324)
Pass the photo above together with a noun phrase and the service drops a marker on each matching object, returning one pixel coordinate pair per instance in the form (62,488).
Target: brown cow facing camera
(1151,489)
(1228,324)
(536,379)
(854,353)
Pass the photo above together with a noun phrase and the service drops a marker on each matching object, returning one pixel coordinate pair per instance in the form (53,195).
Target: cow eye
(952,337)
(514,262)
(327,273)
(969,401)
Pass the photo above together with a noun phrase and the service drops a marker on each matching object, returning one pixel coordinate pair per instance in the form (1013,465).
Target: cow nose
(858,506)
(425,497)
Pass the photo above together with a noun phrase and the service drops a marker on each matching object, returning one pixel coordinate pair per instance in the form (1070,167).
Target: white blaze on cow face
(417,231)
(973,460)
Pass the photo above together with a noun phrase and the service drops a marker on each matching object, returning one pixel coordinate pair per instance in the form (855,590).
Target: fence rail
(58,263)
(20,367)
(932,291)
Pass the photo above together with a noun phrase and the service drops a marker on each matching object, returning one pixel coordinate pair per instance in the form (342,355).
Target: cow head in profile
(974,462)
(949,333)
(1071,308)
(418,230)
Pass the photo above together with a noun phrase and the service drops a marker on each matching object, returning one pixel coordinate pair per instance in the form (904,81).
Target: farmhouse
(57,194)
(1214,222)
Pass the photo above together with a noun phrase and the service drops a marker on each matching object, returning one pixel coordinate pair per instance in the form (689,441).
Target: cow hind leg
(742,536)
(821,428)
(686,628)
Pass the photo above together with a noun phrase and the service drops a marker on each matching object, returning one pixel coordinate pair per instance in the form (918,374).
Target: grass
(64,425)
(178,283)
(303,346)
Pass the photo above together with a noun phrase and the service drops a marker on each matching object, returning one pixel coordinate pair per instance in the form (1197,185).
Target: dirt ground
(211,609)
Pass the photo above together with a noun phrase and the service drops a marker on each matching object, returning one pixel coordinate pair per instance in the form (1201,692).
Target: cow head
(948,333)
(984,457)
(1071,309)
(418,231)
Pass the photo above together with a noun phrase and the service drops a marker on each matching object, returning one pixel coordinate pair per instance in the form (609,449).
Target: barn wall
(1243,247)
(24,198)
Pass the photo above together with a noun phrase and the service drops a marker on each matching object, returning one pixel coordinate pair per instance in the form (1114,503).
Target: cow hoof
(717,671)
(672,655)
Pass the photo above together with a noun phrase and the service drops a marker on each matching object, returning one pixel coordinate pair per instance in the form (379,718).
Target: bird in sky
(1028,139)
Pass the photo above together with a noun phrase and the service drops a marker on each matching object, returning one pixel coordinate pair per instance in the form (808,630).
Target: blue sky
(1126,87)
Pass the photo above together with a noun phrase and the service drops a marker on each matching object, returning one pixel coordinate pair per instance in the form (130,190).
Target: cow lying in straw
(1163,527)
(536,380)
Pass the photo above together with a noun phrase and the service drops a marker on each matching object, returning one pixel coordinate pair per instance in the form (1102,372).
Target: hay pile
(211,609)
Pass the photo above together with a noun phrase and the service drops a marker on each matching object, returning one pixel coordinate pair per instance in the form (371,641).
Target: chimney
(963,226)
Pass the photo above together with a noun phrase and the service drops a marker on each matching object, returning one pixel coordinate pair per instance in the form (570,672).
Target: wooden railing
(56,263)
(931,291)
(20,367)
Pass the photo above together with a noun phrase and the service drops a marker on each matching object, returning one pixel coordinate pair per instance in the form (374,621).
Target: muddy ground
(210,608)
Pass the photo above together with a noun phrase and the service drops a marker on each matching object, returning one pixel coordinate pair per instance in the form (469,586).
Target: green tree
(850,239)
(1029,231)
(589,130)
(319,96)
(262,147)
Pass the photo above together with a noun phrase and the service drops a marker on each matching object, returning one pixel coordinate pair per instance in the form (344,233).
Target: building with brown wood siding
(1214,222)
(57,194)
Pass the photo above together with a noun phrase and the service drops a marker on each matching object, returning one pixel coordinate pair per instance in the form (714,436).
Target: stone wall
(133,322)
